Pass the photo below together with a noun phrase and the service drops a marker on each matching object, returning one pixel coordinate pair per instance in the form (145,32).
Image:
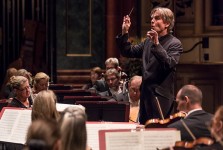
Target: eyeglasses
(25,88)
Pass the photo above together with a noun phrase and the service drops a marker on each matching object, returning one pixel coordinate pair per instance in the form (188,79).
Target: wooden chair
(73,99)
(60,87)
(61,93)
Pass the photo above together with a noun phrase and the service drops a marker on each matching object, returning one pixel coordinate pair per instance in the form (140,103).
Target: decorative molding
(209,27)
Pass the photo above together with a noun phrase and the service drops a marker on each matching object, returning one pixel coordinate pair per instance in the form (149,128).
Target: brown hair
(42,135)
(44,106)
(97,70)
(73,127)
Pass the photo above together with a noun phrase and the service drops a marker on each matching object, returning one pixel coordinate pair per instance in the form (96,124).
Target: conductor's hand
(126,24)
(153,36)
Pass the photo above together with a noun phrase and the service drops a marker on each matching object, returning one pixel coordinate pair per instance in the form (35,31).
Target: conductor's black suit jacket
(159,66)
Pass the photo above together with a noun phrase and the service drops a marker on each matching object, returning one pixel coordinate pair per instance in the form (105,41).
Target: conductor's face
(158,24)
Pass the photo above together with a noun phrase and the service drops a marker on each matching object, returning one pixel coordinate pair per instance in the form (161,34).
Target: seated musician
(189,99)
(115,92)
(22,90)
(110,63)
(73,129)
(43,135)
(134,97)
(6,90)
(95,74)
(40,83)
(216,128)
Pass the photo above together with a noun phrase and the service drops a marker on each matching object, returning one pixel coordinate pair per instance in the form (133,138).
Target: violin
(200,141)
(185,145)
(163,123)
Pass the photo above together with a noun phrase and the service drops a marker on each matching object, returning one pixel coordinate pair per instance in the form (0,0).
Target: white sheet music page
(14,125)
(141,140)
(93,128)
(6,123)
(20,128)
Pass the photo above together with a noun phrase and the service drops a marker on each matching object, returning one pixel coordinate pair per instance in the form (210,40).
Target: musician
(160,53)
(115,92)
(40,83)
(95,74)
(22,90)
(101,85)
(189,100)
(43,135)
(216,128)
(134,97)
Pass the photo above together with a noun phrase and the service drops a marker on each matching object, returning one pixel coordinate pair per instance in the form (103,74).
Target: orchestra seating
(106,110)
(73,99)
(74,92)
(60,87)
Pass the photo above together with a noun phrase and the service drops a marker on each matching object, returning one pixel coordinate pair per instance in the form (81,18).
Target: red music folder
(146,139)
(94,127)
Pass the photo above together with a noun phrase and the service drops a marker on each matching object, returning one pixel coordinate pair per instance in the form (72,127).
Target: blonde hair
(113,61)
(44,106)
(39,76)
(219,115)
(73,127)
(17,81)
(112,72)
(167,16)
(25,73)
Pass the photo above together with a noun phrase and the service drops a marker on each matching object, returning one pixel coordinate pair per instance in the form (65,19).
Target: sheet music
(127,142)
(143,140)
(6,123)
(60,107)
(14,125)
(20,128)
(93,128)
(160,139)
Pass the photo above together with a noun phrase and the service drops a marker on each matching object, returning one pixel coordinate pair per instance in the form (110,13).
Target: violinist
(189,100)
(216,128)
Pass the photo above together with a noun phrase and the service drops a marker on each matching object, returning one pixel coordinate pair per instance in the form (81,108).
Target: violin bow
(188,130)
(159,108)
